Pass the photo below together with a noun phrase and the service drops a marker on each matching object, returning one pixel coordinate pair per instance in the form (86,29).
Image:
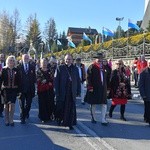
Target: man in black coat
(144,88)
(97,88)
(67,87)
(28,79)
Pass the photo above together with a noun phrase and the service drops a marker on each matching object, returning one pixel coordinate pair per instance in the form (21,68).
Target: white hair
(8,58)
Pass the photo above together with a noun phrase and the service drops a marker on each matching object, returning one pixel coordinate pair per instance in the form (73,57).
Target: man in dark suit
(2,64)
(144,88)
(28,79)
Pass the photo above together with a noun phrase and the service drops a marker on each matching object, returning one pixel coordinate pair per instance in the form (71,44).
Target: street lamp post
(119,20)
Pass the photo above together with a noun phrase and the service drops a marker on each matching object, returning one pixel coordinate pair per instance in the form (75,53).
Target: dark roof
(81,30)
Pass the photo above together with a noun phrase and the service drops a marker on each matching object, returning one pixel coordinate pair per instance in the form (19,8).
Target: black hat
(78,59)
(98,55)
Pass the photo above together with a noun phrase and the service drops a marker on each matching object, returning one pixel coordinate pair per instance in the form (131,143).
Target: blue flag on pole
(58,42)
(71,44)
(132,25)
(85,37)
(107,32)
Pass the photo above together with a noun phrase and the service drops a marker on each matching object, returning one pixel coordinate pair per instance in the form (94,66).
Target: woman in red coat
(45,92)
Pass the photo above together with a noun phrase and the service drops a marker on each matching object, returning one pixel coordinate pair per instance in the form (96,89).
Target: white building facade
(146,17)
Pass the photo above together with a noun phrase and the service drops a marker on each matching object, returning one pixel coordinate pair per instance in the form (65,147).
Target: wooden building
(76,34)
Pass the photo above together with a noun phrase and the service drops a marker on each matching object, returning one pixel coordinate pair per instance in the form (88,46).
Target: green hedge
(117,43)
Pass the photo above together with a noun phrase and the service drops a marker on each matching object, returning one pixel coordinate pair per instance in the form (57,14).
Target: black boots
(112,107)
(122,110)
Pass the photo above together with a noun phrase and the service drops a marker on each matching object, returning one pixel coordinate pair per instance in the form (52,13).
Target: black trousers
(1,106)
(25,105)
(136,78)
(147,111)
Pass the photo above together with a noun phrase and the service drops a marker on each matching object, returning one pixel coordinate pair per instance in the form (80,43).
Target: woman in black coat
(119,89)
(9,85)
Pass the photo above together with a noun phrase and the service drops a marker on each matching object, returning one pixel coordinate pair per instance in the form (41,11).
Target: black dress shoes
(71,128)
(6,124)
(93,121)
(146,120)
(104,123)
(23,121)
(110,114)
(123,118)
(12,124)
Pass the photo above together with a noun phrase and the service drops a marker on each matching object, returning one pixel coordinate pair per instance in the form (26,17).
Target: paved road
(133,134)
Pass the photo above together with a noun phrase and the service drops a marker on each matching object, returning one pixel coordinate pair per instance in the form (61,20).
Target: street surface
(133,134)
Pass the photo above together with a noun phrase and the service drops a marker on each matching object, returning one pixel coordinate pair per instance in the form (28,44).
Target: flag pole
(143,42)
(112,48)
(102,35)
(128,41)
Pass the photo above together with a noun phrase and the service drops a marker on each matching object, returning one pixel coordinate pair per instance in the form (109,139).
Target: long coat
(61,81)
(119,87)
(99,94)
(144,84)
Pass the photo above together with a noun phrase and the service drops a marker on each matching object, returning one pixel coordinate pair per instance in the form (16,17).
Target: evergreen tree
(16,24)
(64,35)
(50,32)
(119,32)
(54,47)
(6,32)
(34,34)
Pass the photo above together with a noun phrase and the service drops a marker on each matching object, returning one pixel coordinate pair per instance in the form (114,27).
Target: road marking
(84,136)
(92,133)
(19,136)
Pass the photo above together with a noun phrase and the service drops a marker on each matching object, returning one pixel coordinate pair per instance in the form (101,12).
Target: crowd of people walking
(58,84)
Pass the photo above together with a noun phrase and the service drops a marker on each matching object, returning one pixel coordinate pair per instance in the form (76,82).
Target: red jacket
(143,65)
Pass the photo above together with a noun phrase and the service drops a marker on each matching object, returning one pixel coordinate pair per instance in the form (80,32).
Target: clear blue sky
(78,13)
